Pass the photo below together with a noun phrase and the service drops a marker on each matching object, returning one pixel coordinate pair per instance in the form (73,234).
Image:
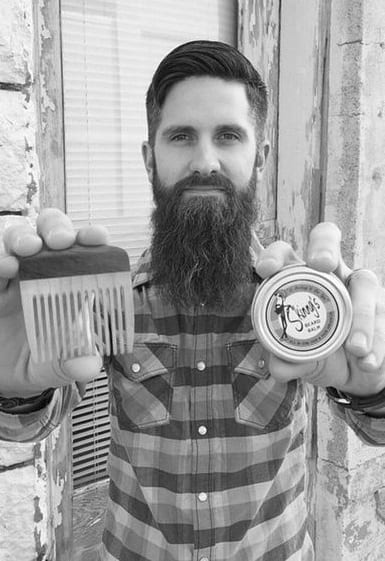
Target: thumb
(275,257)
(284,371)
(82,369)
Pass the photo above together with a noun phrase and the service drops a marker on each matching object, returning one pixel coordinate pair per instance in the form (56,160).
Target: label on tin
(302,316)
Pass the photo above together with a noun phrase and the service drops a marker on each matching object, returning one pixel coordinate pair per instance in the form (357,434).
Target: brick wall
(23,474)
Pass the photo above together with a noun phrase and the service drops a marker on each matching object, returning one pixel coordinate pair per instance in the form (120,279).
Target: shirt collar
(142,273)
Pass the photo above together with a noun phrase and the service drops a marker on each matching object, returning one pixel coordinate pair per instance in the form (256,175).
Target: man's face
(204,169)
(206,127)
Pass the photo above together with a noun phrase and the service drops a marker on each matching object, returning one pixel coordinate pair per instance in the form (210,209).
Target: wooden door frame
(288,42)
(50,149)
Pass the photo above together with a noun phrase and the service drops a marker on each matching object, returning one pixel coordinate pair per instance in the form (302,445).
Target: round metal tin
(300,314)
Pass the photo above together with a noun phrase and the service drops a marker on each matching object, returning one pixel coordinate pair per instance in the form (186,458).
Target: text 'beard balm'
(300,314)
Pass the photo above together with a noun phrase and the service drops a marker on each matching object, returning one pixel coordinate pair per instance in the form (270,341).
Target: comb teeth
(71,316)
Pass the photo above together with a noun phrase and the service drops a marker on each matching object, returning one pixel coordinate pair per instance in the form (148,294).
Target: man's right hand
(19,375)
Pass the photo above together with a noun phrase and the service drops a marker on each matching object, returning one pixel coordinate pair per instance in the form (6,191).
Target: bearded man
(207,449)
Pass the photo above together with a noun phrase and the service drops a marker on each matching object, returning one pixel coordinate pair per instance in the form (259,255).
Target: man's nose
(204,159)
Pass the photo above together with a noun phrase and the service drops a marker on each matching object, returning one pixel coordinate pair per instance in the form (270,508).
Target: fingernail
(370,360)
(359,341)
(28,244)
(267,267)
(60,238)
(324,256)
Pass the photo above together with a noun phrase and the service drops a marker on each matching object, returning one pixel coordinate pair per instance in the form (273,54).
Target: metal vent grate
(91,434)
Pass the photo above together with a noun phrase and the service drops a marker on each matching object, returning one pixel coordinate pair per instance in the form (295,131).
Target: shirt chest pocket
(259,401)
(143,385)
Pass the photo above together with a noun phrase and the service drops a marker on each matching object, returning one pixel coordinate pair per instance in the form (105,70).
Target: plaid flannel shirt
(207,455)
(207,451)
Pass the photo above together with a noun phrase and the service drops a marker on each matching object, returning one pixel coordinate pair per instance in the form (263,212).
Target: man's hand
(358,367)
(19,376)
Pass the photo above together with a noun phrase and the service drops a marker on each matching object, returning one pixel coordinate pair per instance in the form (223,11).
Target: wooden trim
(50,130)
(304,28)
(258,39)
(50,149)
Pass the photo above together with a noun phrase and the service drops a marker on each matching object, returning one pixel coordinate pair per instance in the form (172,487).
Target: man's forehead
(200,84)
(206,97)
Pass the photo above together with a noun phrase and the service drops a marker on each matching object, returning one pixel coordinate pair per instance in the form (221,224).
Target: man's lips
(203,190)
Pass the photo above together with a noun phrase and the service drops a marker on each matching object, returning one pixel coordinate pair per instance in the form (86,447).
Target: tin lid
(301,314)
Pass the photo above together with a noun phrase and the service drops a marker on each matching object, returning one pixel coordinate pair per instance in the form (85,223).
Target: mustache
(197,179)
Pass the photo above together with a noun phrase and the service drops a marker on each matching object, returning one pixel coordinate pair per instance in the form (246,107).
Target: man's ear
(148,158)
(262,155)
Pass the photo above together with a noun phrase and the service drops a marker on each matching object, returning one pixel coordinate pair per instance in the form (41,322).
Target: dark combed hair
(204,58)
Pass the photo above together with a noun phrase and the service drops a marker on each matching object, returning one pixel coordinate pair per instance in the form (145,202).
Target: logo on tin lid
(302,315)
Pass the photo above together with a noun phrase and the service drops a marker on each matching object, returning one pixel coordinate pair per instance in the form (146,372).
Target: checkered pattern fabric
(207,452)
(207,456)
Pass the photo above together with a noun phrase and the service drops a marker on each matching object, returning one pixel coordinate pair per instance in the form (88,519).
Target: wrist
(370,404)
(20,405)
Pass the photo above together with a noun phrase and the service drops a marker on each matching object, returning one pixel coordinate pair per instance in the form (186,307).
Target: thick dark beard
(201,244)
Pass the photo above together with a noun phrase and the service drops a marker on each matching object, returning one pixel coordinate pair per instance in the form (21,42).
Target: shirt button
(202,497)
(201,366)
(202,430)
(261,363)
(135,367)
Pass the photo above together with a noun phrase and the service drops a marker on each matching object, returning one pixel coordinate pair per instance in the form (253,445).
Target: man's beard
(201,244)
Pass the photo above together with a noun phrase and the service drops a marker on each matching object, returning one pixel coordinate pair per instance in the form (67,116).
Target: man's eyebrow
(187,129)
(234,127)
(178,129)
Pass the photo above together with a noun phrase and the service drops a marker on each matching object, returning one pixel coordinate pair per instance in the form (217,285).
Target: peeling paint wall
(258,39)
(19,169)
(350,497)
(25,511)
(331,166)
(16,502)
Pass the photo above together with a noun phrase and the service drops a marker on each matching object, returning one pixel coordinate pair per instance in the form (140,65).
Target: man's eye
(181,137)
(229,137)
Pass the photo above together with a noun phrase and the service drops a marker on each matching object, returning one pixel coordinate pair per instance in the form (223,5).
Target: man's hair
(205,58)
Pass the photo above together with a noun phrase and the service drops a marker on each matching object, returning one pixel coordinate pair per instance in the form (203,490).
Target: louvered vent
(91,434)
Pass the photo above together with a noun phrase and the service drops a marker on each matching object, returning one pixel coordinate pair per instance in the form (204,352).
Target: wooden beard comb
(77,302)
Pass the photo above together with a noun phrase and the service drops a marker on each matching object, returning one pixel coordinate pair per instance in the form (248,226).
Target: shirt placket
(201,434)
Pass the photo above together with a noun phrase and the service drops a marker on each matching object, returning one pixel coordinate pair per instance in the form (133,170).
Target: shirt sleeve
(29,427)
(370,430)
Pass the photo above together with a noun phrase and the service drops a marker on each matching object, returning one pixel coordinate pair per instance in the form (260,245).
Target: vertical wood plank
(50,137)
(303,48)
(58,457)
(350,499)
(50,147)
(303,91)
(258,39)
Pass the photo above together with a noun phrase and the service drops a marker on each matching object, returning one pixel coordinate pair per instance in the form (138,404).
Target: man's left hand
(357,368)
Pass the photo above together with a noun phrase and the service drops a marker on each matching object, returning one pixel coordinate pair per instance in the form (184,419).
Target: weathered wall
(19,170)
(329,149)
(27,495)
(258,39)
(19,496)
(350,496)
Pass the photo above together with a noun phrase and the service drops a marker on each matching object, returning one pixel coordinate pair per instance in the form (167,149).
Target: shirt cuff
(373,405)
(369,429)
(20,406)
